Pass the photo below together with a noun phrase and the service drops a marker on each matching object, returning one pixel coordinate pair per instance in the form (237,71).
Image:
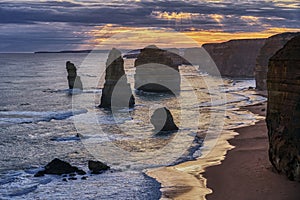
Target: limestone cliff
(271,46)
(283,114)
(235,58)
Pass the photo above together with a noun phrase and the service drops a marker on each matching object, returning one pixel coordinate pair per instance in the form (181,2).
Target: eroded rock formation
(271,46)
(162,120)
(157,70)
(235,58)
(73,80)
(283,115)
(116,91)
(97,167)
(59,167)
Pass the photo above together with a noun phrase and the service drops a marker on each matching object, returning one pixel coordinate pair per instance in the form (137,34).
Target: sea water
(40,120)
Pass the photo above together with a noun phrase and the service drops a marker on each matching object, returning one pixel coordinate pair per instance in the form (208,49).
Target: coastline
(239,160)
(246,172)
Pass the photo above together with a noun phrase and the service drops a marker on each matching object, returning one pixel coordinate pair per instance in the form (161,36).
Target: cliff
(271,46)
(235,58)
(283,114)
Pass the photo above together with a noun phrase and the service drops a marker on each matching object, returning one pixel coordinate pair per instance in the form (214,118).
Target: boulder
(116,91)
(235,58)
(162,120)
(97,167)
(271,46)
(157,70)
(283,111)
(73,80)
(59,167)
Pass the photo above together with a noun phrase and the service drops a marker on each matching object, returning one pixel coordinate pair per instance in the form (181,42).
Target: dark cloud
(43,20)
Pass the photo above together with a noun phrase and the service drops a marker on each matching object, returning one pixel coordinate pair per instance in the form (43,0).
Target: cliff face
(235,58)
(283,115)
(272,45)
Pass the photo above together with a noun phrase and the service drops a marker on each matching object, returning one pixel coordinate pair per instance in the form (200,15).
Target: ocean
(40,119)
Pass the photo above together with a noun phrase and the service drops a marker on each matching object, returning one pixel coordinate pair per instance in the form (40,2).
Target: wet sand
(246,172)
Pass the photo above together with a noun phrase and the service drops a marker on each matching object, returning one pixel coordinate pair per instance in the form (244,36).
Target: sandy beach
(246,172)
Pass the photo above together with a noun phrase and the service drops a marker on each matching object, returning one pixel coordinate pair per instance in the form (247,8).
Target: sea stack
(73,80)
(157,71)
(116,91)
(271,46)
(283,114)
(162,120)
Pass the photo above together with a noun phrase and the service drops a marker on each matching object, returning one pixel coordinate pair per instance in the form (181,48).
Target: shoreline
(193,179)
(246,172)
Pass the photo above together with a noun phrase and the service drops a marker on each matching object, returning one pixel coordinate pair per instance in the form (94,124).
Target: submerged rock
(162,120)
(157,70)
(271,46)
(59,167)
(73,80)
(116,91)
(283,112)
(97,167)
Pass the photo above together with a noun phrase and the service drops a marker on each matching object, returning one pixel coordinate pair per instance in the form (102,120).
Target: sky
(28,26)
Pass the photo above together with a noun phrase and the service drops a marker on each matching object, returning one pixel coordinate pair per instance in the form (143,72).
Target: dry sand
(246,173)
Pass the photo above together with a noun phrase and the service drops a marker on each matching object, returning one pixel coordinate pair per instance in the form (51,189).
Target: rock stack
(162,120)
(157,71)
(283,114)
(73,80)
(271,46)
(116,91)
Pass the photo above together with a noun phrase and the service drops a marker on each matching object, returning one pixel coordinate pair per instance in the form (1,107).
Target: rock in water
(162,120)
(283,113)
(97,167)
(116,91)
(73,80)
(157,71)
(271,46)
(59,167)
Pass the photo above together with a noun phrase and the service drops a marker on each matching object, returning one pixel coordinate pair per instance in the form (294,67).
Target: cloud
(61,19)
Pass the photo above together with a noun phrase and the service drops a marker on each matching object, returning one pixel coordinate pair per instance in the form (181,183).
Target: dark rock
(72,178)
(283,112)
(157,70)
(116,91)
(162,120)
(84,178)
(73,80)
(271,46)
(64,179)
(97,167)
(235,58)
(59,167)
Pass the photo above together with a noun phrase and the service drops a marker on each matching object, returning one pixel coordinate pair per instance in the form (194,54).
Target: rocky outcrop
(157,71)
(162,120)
(73,80)
(283,114)
(116,91)
(97,167)
(59,167)
(235,58)
(271,46)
